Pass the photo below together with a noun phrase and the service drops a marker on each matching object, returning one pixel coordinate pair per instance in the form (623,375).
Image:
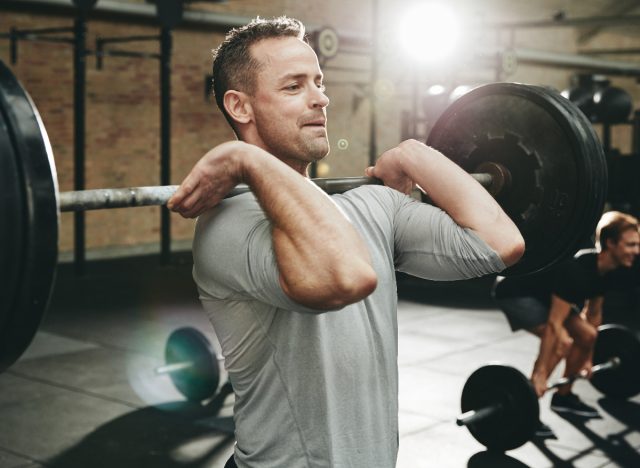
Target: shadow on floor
(614,446)
(494,460)
(165,436)
(627,412)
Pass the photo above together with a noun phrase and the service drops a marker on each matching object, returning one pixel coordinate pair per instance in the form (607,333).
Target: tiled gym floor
(85,394)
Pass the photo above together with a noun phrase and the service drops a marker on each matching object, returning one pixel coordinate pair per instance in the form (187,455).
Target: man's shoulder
(585,255)
(231,213)
(373,194)
(585,261)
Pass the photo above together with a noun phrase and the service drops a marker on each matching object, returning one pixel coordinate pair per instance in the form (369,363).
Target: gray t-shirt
(316,388)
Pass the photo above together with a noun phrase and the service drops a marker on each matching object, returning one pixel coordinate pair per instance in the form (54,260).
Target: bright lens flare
(429,33)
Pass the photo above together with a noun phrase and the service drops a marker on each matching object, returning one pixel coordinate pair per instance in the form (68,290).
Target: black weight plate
(515,424)
(200,381)
(624,343)
(590,202)
(547,149)
(12,209)
(597,174)
(37,182)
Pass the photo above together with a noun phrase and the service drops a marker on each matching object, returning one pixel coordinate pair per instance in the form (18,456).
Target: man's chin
(318,152)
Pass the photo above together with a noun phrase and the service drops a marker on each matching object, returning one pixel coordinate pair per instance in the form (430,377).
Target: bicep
(594,309)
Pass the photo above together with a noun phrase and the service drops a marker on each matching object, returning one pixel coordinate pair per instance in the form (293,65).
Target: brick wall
(123,114)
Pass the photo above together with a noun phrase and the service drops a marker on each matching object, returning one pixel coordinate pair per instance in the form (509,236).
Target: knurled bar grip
(83,200)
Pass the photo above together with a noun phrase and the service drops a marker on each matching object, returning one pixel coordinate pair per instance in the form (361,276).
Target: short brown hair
(233,65)
(611,226)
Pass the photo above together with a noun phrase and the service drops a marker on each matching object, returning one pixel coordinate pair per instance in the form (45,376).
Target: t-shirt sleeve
(429,244)
(233,255)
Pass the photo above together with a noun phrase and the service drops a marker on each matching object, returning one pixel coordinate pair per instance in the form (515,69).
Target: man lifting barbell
(300,287)
(563,307)
(322,373)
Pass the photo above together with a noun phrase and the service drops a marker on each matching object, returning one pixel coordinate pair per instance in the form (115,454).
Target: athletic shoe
(572,404)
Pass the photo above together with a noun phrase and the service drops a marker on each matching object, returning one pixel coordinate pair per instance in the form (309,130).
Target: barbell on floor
(192,364)
(500,407)
(533,149)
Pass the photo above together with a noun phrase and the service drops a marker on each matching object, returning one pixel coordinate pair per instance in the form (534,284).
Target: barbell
(533,150)
(500,406)
(191,363)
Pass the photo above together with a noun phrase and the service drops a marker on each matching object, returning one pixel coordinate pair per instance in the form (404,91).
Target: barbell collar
(175,367)
(99,199)
(473,416)
(180,366)
(499,177)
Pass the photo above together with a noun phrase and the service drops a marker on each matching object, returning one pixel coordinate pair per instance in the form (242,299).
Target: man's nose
(319,99)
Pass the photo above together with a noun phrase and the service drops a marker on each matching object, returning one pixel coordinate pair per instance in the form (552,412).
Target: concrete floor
(85,395)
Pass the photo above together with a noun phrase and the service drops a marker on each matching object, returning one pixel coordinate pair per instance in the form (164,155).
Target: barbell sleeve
(607,365)
(99,199)
(174,367)
(472,416)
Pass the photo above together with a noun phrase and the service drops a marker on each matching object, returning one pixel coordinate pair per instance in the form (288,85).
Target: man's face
(627,248)
(289,103)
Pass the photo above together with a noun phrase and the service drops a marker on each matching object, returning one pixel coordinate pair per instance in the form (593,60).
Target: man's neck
(606,262)
(301,167)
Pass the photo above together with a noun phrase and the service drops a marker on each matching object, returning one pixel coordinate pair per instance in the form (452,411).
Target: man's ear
(238,106)
(611,243)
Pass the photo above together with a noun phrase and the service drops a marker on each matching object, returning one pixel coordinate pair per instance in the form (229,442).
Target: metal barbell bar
(98,199)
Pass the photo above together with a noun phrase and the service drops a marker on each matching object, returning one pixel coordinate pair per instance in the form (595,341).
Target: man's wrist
(247,160)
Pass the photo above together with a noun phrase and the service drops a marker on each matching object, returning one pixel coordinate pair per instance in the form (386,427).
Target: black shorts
(524,312)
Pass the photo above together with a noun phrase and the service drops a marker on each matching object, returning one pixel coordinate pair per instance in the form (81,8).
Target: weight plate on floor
(624,343)
(515,423)
(557,165)
(199,381)
(35,192)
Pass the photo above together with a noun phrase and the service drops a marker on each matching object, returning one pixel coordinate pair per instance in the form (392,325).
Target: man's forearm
(323,261)
(594,311)
(464,199)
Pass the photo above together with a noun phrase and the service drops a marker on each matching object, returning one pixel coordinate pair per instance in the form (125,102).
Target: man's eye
(293,86)
(322,87)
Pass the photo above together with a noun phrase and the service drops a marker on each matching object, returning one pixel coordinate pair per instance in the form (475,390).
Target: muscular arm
(323,262)
(554,344)
(593,315)
(454,191)
(594,311)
